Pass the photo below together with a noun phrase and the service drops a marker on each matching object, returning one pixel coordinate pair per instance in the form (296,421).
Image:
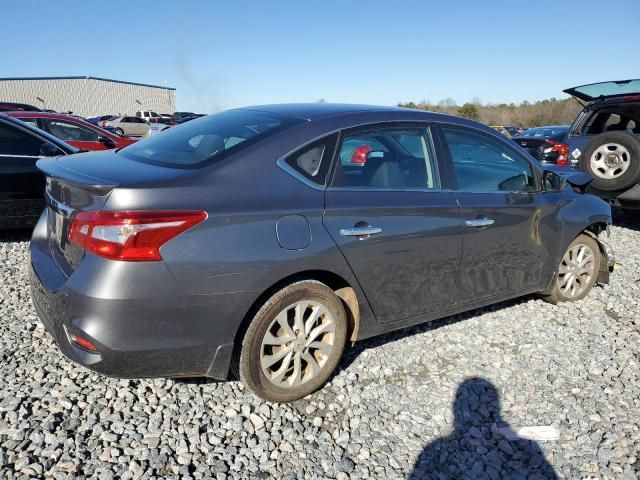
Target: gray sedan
(264,240)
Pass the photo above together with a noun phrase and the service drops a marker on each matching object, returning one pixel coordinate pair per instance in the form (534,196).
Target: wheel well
(335,282)
(596,228)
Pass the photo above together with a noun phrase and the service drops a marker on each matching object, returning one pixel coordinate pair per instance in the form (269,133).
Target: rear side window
(387,158)
(14,141)
(207,138)
(313,161)
(31,121)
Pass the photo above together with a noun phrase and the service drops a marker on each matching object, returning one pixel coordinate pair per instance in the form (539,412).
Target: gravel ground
(428,402)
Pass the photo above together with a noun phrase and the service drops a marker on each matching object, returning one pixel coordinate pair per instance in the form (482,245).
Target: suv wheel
(577,272)
(613,160)
(294,342)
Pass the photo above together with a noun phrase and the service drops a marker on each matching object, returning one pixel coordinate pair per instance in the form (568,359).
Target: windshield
(206,138)
(605,89)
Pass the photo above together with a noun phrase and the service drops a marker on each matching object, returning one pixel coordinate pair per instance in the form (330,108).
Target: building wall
(88,96)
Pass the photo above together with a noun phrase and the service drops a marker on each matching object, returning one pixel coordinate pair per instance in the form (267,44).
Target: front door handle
(361,232)
(480,222)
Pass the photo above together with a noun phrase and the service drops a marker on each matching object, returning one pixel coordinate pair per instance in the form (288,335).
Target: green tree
(469,110)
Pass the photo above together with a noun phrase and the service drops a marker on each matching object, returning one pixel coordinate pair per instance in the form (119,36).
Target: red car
(75,131)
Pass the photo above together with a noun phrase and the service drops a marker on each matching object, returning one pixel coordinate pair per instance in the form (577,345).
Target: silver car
(129,126)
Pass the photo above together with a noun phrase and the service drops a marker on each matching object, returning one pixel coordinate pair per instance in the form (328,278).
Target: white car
(129,126)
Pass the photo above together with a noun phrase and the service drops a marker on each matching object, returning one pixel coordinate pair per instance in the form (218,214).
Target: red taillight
(562,149)
(131,236)
(360,154)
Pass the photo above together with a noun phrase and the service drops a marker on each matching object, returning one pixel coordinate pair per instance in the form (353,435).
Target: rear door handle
(362,232)
(480,222)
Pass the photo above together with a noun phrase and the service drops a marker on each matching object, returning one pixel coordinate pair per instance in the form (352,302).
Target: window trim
(444,148)
(389,125)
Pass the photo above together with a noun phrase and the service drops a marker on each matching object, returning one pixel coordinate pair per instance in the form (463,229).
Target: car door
(126,126)
(21,183)
(142,127)
(399,232)
(509,233)
(75,134)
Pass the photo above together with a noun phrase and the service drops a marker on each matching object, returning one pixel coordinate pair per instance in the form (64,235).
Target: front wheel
(578,271)
(294,342)
(120,132)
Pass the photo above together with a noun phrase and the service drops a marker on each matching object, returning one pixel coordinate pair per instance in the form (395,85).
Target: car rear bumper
(629,199)
(165,334)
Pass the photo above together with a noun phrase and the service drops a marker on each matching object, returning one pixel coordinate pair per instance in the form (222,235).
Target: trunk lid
(531,145)
(85,182)
(604,90)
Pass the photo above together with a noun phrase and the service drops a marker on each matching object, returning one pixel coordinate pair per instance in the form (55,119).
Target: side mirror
(106,140)
(49,150)
(552,182)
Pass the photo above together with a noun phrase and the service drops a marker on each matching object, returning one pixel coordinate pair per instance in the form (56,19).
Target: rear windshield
(543,132)
(207,138)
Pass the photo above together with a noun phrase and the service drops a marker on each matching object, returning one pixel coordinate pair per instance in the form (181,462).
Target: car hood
(107,167)
(604,90)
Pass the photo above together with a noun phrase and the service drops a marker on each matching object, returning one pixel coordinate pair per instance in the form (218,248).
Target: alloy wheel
(576,270)
(297,344)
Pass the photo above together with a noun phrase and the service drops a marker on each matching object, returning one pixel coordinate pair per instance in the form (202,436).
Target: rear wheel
(613,160)
(578,271)
(294,342)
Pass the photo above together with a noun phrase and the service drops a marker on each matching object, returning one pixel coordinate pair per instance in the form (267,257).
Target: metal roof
(86,78)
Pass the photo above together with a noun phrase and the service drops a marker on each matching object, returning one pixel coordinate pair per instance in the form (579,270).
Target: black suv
(604,140)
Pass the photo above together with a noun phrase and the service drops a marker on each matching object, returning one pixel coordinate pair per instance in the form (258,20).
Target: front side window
(14,141)
(69,131)
(482,164)
(207,138)
(387,158)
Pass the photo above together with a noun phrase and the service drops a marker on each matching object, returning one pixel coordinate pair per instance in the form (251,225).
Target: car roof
(61,116)
(354,114)
(548,126)
(317,111)
(56,116)
(41,133)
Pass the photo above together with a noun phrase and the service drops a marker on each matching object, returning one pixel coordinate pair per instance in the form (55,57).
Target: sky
(227,54)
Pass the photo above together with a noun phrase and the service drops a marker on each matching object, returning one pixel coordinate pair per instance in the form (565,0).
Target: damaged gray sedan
(262,241)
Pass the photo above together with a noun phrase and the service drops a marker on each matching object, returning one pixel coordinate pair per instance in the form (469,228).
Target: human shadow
(476,449)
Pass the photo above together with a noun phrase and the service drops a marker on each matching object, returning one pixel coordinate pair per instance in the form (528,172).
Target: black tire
(248,366)
(120,132)
(626,179)
(556,296)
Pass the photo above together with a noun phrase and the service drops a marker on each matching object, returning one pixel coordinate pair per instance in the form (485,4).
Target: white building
(87,96)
